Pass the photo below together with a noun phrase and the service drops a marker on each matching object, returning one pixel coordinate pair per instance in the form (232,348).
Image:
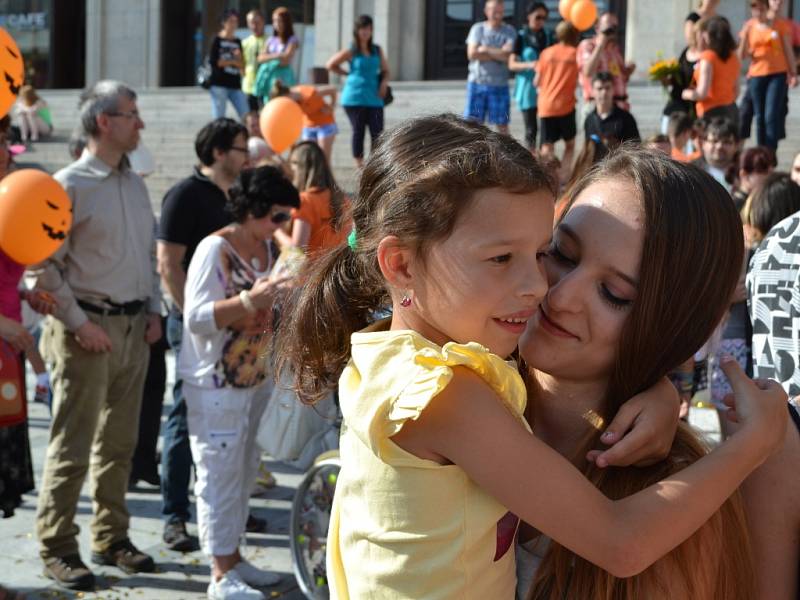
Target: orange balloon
(564,8)
(281,123)
(35,216)
(583,14)
(12,71)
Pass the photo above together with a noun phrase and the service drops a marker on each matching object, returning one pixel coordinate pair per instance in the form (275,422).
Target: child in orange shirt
(557,78)
(679,130)
(319,124)
(716,77)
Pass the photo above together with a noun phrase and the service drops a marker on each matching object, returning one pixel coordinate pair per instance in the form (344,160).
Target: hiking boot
(255,525)
(69,572)
(176,538)
(126,556)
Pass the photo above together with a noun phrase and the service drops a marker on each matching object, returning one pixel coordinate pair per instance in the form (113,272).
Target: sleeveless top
(361,85)
(403,526)
(524,90)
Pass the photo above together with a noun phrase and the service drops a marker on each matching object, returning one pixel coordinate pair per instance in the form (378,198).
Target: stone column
(123,41)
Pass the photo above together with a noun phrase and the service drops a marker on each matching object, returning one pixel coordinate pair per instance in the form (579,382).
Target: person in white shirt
(228,314)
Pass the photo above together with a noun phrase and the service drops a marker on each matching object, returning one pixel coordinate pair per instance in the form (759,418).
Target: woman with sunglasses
(229,304)
(531,40)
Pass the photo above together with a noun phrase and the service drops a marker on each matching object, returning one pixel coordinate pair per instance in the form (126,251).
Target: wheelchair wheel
(311,512)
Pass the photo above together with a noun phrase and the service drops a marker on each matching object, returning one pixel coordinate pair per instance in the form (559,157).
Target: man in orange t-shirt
(557,78)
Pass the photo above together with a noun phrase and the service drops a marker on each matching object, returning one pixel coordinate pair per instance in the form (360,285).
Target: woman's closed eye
(556,254)
(615,302)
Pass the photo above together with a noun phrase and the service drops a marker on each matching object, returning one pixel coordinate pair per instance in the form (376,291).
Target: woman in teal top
(365,86)
(531,40)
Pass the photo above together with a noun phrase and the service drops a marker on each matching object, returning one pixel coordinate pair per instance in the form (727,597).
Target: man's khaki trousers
(96,401)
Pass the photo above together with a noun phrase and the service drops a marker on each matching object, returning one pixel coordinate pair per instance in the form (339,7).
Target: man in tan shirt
(104,279)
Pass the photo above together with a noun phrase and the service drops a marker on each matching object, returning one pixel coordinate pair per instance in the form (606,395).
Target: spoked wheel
(311,513)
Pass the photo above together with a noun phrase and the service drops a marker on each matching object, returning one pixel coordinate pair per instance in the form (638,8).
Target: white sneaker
(255,576)
(231,587)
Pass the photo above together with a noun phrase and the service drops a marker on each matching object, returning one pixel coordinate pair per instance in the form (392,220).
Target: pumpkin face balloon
(35,216)
(12,71)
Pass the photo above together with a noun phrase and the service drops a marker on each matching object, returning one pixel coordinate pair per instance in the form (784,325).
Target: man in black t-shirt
(192,209)
(608,121)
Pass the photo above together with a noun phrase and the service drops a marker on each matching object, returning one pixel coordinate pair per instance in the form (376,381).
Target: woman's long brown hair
(418,180)
(691,259)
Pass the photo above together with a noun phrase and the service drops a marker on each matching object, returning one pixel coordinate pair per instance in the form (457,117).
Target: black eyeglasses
(540,18)
(245,150)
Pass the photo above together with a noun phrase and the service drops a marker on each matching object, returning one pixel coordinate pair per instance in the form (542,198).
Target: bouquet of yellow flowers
(665,71)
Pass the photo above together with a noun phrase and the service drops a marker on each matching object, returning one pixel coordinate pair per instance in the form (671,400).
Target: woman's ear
(394,260)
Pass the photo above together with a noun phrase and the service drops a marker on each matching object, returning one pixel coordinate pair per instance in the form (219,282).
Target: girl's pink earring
(405,302)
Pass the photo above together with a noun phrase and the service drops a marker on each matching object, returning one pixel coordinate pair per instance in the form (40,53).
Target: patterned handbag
(13,409)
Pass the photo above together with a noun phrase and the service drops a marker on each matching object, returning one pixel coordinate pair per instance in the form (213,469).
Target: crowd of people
(548,65)
(623,280)
(250,72)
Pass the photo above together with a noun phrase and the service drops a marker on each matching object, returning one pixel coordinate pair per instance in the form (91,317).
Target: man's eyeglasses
(240,149)
(540,18)
(128,114)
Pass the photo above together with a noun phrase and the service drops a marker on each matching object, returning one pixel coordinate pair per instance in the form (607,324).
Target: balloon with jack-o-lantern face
(12,71)
(35,216)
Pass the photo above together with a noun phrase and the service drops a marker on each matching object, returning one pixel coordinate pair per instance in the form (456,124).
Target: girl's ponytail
(337,297)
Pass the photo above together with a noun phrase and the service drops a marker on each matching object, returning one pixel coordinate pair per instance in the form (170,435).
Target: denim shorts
(323,131)
(488,103)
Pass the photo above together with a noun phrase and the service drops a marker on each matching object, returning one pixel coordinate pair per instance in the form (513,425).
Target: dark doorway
(68,45)
(178,27)
(448,23)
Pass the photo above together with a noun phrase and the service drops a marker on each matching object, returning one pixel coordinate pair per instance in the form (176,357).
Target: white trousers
(222,434)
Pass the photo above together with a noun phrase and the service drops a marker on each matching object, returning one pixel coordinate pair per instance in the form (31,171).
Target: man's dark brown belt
(127,308)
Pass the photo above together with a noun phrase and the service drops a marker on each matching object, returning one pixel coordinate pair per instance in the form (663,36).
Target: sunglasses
(280,217)
(277,218)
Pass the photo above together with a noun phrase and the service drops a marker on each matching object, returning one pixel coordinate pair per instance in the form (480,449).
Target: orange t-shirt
(766,46)
(558,76)
(680,156)
(315,209)
(724,75)
(316,111)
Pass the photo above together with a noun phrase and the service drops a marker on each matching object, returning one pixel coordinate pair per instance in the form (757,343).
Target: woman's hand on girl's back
(643,429)
(760,406)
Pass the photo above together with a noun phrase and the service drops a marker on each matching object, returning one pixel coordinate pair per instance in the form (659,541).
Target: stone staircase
(174,115)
